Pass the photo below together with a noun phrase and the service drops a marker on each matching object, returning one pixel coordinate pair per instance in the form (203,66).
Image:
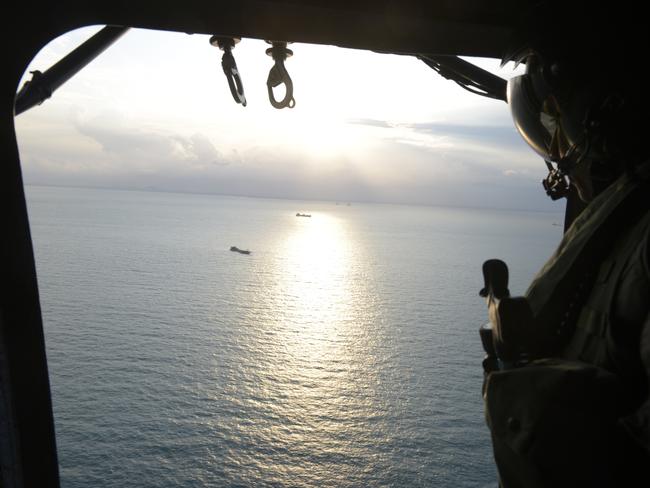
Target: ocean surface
(343,351)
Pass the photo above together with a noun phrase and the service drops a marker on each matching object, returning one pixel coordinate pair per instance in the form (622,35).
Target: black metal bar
(42,85)
(27,443)
(492,84)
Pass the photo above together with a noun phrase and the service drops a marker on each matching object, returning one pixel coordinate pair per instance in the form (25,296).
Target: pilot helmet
(580,98)
(538,115)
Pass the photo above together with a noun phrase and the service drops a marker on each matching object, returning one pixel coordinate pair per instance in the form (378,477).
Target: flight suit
(581,415)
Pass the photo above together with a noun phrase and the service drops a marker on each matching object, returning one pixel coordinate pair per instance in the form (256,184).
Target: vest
(593,340)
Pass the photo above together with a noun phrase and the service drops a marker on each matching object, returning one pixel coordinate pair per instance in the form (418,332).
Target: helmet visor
(534,121)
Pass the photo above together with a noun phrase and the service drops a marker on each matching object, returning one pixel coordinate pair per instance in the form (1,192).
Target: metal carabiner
(279,75)
(226,44)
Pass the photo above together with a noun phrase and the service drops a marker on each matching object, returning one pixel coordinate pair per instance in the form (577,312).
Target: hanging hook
(226,44)
(279,75)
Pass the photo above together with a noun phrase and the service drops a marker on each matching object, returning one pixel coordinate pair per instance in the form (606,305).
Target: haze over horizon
(154,112)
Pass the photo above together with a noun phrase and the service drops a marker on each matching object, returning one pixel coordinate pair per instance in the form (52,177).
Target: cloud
(141,147)
(491,145)
(486,134)
(425,163)
(371,122)
(201,149)
(472,152)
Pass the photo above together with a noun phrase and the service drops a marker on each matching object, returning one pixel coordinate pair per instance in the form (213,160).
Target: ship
(240,251)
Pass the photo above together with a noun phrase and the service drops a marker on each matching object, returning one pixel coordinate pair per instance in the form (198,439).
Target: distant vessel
(240,251)
(302,215)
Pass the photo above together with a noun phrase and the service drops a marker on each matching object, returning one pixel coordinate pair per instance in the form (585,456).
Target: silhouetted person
(571,407)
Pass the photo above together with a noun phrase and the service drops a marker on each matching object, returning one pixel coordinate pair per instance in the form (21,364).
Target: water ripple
(342,352)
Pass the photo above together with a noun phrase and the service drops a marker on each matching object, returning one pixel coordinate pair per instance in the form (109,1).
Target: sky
(154,112)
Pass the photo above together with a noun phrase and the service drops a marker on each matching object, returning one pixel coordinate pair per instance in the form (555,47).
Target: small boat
(302,215)
(240,251)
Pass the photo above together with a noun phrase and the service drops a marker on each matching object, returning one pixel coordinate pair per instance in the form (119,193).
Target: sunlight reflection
(310,378)
(316,286)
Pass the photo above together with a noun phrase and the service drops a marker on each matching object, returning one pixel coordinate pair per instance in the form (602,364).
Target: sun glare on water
(316,284)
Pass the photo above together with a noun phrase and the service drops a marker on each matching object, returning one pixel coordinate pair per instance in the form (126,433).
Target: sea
(343,351)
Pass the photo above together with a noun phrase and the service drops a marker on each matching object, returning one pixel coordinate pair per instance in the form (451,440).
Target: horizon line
(265,197)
